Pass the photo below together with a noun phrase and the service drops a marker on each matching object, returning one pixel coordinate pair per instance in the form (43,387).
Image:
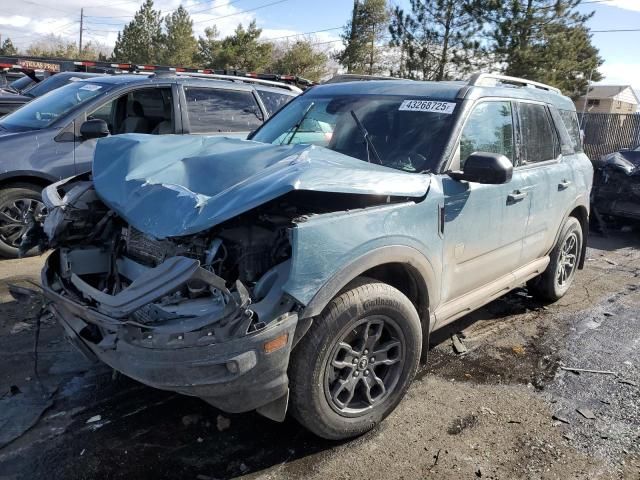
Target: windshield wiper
(367,139)
(299,124)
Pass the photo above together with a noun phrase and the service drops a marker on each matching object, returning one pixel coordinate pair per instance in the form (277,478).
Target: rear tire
(554,282)
(16,201)
(339,389)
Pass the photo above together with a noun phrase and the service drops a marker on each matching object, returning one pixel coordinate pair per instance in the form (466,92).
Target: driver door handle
(563,185)
(516,196)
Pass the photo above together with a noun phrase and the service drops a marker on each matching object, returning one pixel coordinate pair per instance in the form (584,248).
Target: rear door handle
(563,185)
(516,196)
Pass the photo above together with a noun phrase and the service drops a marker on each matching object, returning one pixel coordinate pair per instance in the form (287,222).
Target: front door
(149,110)
(484,224)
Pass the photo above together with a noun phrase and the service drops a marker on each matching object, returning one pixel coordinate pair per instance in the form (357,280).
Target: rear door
(220,111)
(548,174)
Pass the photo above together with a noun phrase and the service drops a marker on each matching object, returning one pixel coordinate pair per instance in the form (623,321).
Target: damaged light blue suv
(305,269)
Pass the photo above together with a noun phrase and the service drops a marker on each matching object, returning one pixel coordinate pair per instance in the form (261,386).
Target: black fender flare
(419,266)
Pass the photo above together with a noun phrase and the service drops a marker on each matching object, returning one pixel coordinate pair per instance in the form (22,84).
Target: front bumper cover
(236,375)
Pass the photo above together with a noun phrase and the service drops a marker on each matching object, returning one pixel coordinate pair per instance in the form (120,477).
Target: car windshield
(404,133)
(49,84)
(20,84)
(44,110)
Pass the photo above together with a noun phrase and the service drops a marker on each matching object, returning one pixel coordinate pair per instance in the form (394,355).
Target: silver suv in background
(54,136)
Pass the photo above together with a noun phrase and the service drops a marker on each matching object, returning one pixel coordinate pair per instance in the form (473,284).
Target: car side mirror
(485,167)
(94,128)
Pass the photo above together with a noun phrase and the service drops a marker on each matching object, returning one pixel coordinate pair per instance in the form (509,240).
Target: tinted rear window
(539,137)
(274,101)
(570,120)
(215,110)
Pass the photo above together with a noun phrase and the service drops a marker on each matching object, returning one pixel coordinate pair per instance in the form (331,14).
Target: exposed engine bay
(239,266)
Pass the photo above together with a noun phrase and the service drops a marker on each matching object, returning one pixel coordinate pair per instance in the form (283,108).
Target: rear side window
(539,138)
(213,110)
(274,101)
(488,129)
(570,120)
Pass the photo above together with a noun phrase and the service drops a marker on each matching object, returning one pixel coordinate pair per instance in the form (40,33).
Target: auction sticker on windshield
(91,87)
(429,106)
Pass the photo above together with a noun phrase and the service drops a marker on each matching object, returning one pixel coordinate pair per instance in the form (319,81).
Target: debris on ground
(518,349)
(488,410)
(628,382)
(586,370)
(560,418)
(223,423)
(192,419)
(586,413)
(458,346)
(95,418)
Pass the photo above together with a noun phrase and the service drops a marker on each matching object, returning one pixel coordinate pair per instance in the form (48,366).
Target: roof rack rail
(493,79)
(247,79)
(27,65)
(356,77)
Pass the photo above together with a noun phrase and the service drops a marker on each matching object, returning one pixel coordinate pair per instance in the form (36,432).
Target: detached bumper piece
(205,344)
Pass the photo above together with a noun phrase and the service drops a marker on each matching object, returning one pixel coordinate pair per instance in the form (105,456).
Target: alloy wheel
(364,366)
(568,260)
(14,219)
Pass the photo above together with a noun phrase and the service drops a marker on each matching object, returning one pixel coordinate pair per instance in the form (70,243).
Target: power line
(302,33)
(616,30)
(241,12)
(171,11)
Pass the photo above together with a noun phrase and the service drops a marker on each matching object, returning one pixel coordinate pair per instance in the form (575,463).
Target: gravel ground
(505,410)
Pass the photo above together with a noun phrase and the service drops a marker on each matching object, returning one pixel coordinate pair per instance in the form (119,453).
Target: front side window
(539,138)
(145,110)
(403,133)
(43,111)
(488,129)
(215,110)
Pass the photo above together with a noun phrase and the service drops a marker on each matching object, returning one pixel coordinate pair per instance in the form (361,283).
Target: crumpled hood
(170,185)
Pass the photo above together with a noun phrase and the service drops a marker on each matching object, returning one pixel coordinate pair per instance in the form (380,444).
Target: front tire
(554,282)
(356,362)
(17,202)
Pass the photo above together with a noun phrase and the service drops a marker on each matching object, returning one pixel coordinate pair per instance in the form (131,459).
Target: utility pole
(81,28)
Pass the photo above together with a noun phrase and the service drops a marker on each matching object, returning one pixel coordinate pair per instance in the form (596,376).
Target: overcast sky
(27,20)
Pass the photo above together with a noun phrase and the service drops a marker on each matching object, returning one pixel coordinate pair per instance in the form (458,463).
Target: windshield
(49,84)
(403,133)
(19,85)
(43,111)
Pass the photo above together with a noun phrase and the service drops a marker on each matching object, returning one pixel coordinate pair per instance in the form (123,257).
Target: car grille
(145,249)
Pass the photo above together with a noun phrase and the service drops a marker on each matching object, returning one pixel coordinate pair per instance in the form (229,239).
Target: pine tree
(544,40)
(7,47)
(363,37)
(180,44)
(209,47)
(303,60)
(243,51)
(141,41)
(438,39)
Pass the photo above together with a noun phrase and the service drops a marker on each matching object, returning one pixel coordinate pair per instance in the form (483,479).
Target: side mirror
(485,167)
(94,128)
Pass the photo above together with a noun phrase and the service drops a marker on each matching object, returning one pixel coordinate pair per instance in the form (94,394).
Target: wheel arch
(582,215)
(402,267)
(35,178)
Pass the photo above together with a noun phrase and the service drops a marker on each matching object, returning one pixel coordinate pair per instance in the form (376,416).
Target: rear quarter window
(570,120)
(274,101)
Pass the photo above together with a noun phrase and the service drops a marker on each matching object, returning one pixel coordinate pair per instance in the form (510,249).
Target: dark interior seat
(165,127)
(135,121)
